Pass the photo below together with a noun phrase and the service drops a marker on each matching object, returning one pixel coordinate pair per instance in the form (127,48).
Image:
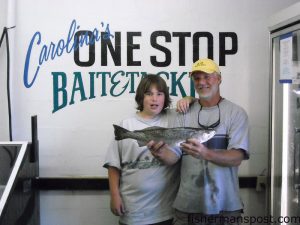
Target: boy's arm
(116,203)
(183,104)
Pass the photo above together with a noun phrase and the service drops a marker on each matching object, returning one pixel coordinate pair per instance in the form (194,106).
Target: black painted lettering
(222,43)
(196,45)
(130,47)
(181,36)
(84,37)
(115,52)
(166,51)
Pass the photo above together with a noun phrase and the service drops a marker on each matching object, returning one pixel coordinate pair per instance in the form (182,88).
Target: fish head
(205,135)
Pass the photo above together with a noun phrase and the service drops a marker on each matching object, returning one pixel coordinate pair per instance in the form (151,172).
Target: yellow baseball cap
(205,65)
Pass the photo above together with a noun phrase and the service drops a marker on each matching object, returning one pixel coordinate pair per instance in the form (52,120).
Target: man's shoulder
(233,106)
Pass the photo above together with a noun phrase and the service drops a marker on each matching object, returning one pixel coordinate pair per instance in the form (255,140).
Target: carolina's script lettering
(71,87)
(49,52)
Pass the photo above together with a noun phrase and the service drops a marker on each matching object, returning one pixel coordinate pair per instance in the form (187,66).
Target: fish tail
(120,132)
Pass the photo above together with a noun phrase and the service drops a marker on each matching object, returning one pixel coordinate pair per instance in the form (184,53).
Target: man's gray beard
(210,95)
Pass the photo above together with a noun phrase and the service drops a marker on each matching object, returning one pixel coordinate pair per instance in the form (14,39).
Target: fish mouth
(207,136)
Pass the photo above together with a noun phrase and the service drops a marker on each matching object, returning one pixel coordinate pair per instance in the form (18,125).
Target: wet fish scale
(171,136)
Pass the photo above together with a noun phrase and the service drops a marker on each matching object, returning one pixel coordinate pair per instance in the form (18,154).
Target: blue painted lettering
(59,90)
(115,84)
(27,61)
(55,50)
(78,86)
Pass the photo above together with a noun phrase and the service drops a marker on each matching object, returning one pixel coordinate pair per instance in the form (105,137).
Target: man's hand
(194,148)
(221,157)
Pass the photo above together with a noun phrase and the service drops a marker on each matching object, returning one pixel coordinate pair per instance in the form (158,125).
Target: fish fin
(141,143)
(119,132)
(154,128)
(190,128)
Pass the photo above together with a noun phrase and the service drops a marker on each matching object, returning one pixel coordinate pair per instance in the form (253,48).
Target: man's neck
(210,102)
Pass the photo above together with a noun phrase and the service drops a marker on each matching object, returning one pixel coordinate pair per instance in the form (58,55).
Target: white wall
(73,140)
(76,208)
(7,16)
(4,128)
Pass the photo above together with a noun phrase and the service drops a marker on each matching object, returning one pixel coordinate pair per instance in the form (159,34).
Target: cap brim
(203,71)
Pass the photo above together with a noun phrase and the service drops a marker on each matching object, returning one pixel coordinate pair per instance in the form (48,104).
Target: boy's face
(154,101)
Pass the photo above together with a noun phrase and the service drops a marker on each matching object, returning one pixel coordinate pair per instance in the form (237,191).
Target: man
(209,188)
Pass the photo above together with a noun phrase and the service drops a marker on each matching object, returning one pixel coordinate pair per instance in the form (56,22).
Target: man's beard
(208,95)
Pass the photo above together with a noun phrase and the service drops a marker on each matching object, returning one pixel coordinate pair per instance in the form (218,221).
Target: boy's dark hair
(144,86)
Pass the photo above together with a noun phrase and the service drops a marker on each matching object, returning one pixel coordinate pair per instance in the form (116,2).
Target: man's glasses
(214,125)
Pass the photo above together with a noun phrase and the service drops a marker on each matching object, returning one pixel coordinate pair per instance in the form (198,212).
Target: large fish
(171,136)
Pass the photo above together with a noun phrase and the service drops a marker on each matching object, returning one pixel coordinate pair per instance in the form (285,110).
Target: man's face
(206,85)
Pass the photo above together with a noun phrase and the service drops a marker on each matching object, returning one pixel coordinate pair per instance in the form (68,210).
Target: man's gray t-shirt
(206,187)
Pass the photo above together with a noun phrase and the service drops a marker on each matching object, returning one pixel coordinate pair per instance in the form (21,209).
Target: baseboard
(66,183)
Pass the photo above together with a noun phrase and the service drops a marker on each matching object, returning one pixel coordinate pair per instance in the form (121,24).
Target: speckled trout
(171,136)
